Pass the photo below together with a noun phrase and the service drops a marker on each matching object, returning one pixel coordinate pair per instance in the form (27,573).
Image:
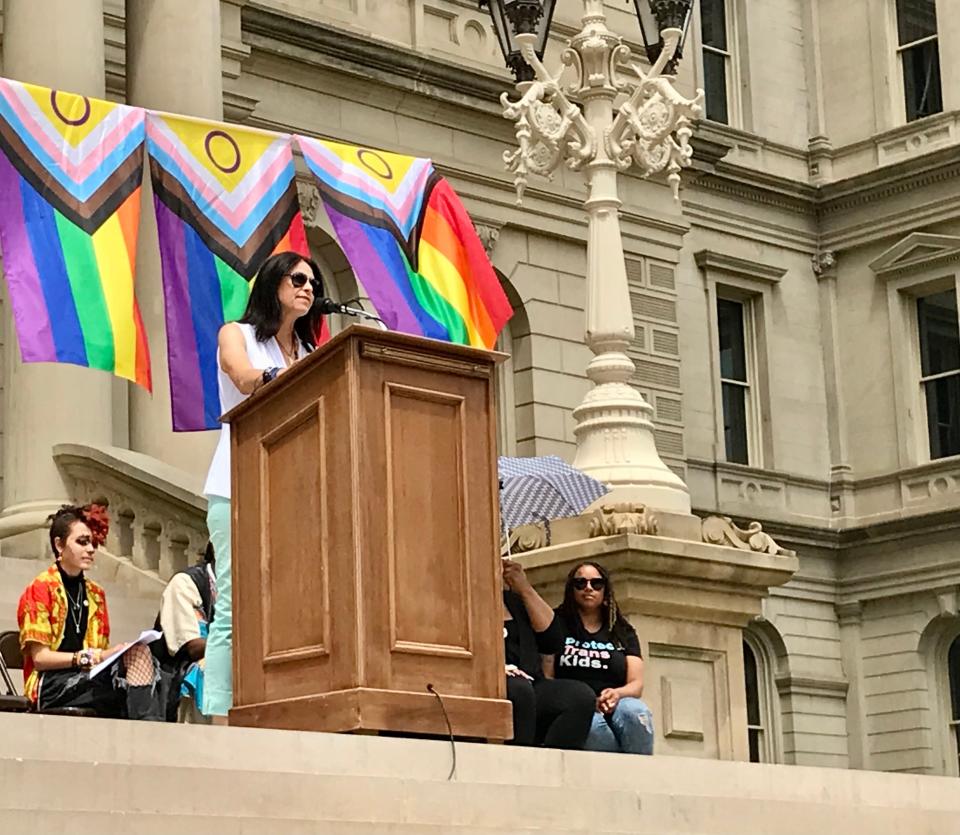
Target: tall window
(755,729)
(919,54)
(953,667)
(732,327)
(716,58)
(940,370)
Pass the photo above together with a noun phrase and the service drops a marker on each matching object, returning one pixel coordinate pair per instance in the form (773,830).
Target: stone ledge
(299,782)
(670,577)
(168,482)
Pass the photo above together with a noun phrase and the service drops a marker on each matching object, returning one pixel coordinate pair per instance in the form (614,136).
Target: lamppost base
(615,445)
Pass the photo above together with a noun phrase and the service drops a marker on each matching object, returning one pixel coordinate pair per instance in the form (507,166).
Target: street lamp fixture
(657,15)
(516,17)
(614,116)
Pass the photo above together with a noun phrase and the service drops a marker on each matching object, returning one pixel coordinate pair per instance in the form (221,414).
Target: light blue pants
(218,673)
(629,729)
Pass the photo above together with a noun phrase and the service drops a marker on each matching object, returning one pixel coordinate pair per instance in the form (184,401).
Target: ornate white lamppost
(603,123)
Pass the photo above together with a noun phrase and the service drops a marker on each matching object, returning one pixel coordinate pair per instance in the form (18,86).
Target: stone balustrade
(157,512)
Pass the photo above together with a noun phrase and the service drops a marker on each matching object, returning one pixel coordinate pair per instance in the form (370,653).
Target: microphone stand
(330,306)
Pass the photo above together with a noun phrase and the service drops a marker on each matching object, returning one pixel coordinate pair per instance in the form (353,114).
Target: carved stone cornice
(888,181)
(916,251)
(711,260)
(270,31)
(831,688)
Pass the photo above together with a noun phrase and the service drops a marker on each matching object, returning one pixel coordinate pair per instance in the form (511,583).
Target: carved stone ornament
(650,131)
(631,517)
(824,262)
(720,530)
(309,197)
(528,537)
(489,234)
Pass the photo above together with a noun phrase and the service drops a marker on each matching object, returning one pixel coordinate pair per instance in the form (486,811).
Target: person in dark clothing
(601,649)
(548,712)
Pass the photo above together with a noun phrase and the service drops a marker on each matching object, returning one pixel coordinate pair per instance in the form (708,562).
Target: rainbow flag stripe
(70,176)
(225,199)
(410,242)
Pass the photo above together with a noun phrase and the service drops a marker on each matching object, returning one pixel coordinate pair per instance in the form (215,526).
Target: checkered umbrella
(534,489)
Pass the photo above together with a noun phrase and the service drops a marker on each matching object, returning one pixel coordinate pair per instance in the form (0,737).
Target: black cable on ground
(446,718)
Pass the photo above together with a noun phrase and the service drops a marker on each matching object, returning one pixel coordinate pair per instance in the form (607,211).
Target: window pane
(939,333)
(752,685)
(943,416)
(733,351)
(957,729)
(921,80)
(713,23)
(715,86)
(916,19)
(753,735)
(953,663)
(735,422)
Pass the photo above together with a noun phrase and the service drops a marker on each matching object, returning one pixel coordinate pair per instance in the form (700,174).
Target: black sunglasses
(596,583)
(298,280)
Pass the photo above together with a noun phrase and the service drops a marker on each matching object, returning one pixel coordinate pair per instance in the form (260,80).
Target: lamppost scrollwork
(603,123)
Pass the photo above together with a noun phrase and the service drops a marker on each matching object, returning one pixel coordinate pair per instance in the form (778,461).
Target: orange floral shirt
(42,618)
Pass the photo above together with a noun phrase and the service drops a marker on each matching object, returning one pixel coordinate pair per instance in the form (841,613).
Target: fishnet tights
(138,662)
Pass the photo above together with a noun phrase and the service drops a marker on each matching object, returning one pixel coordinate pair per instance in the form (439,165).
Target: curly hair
(611,616)
(93,515)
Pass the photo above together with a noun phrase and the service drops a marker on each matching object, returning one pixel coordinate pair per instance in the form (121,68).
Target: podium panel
(365,542)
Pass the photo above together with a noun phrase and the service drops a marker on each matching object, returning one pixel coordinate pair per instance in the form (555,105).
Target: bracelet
(76,660)
(270,374)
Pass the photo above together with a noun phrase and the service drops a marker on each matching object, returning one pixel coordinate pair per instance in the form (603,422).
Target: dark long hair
(263,307)
(611,616)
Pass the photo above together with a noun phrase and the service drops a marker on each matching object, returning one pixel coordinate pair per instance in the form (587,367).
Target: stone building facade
(796,313)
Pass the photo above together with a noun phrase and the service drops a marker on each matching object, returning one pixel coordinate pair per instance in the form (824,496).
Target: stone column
(173,64)
(850,617)
(60,46)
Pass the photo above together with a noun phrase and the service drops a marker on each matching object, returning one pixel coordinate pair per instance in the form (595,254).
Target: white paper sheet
(148,636)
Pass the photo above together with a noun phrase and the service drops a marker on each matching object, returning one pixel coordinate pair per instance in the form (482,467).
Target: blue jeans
(629,729)
(218,672)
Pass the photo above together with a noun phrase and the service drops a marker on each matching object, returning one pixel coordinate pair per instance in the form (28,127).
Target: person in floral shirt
(65,630)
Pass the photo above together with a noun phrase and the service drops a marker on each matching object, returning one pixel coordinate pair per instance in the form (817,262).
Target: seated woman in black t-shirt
(555,714)
(601,649)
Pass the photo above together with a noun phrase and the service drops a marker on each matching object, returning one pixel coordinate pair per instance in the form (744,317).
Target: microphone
(328,305)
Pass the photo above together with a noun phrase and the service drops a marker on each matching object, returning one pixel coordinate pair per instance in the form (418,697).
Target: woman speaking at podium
(278,328)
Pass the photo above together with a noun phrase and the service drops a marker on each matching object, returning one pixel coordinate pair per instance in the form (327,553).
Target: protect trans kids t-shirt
(596,658)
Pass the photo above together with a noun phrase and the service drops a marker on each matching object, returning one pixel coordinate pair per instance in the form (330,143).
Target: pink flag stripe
(265,179)
(408,192)
(78,172)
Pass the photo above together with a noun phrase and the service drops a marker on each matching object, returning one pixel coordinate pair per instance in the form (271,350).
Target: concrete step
(137,824)
(126,777)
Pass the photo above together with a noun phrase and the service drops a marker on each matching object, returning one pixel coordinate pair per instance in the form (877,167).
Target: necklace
(289,356)
(75,606)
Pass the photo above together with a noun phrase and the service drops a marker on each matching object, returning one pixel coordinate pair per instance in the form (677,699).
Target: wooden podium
(365,542)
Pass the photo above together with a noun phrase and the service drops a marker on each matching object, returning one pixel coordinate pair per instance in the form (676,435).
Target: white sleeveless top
(262,355)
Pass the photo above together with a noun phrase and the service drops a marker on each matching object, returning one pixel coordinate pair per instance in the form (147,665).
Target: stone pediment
(917,250)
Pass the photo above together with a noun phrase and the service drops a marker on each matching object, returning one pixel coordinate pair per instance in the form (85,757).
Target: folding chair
(11,658)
